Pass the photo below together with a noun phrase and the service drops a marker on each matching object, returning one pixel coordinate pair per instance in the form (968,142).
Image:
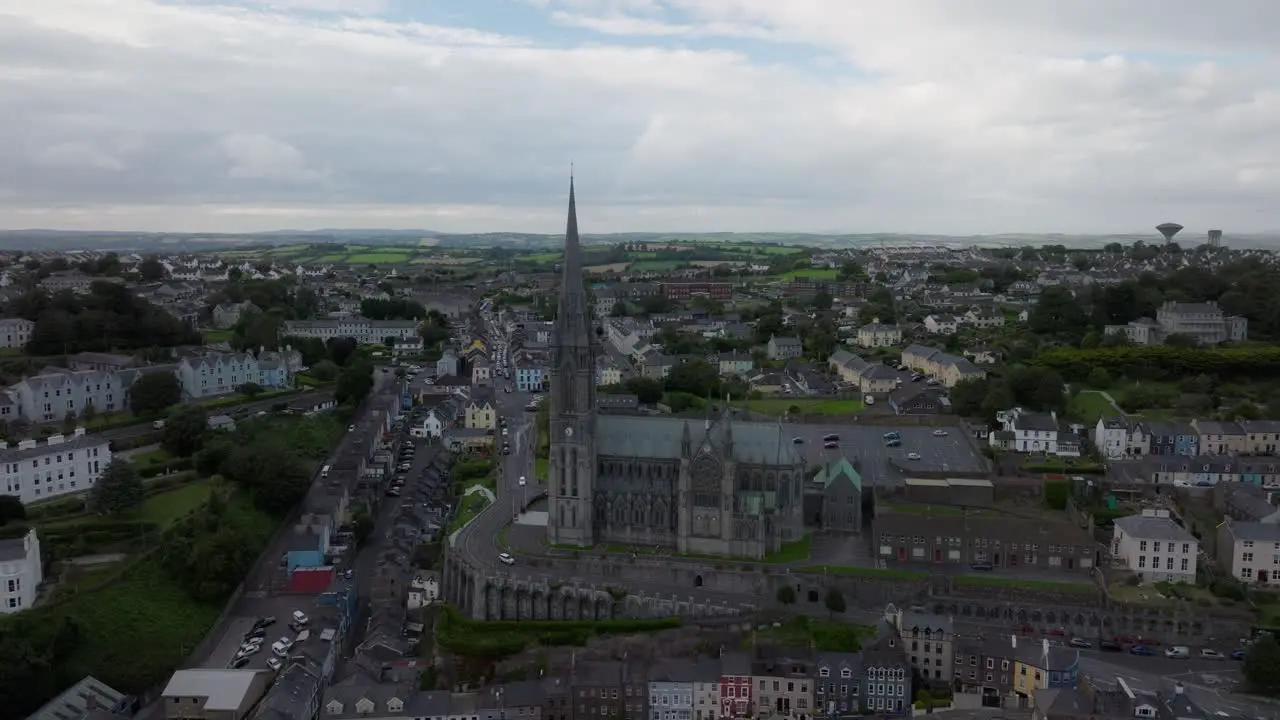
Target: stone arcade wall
(604,588)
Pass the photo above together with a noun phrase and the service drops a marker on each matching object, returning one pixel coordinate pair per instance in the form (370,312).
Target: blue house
(531,378)
(1167,437)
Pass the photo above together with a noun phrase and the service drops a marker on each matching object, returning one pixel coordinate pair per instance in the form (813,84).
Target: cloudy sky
(933,116)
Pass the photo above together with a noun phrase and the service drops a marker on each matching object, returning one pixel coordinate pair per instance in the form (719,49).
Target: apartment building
(877,335)
(948,369)
(784,348)
(15,332)
(1117,438)
(365,332)
(1203,321)
(999,541)
(1155,548)
(31,471)
(837,685)
(1250,551)
(224,373)
(482,410)
(736,687)
(985,666)
(783,688)
(21,572)
(928,644)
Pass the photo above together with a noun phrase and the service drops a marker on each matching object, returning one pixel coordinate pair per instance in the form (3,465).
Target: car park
(274,663)
(1142,650)
(913,456)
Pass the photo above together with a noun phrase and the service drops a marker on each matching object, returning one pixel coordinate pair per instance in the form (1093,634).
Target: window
(1247,557)
(846,673)
(1142,546)
(1184,565)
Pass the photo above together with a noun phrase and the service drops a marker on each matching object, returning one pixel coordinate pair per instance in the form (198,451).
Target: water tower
(1168,230)
(1215,238)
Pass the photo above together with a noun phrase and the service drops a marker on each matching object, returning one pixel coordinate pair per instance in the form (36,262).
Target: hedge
(137,441)
(168,466)
(500,639)
(1161,362)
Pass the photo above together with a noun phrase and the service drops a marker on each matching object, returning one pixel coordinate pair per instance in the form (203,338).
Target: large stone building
(717,487)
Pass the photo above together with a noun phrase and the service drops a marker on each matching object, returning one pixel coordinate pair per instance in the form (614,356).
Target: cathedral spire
(574,316)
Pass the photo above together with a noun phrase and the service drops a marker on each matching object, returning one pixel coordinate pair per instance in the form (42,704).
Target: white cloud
(809,115)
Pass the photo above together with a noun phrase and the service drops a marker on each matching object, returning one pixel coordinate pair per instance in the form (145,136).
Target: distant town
(663,478)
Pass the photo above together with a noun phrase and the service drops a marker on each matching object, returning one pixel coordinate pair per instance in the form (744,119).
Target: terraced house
(947,368)
(222,374)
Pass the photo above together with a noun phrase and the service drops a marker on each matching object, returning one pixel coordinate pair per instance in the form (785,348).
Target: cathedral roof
(837,469)
(660,438)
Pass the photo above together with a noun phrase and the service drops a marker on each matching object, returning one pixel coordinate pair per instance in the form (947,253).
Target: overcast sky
(928,116)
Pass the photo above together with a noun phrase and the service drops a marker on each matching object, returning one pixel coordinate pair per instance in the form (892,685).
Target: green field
(330,259)
(169,506)
(813,273)
(656,265)
(807,406)
(1089,405)
(374,258)
(545,257)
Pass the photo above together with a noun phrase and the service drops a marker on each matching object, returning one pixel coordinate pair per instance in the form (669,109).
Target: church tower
(571,469)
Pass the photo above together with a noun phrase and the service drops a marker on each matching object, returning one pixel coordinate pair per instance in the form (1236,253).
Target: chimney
(79,432)
(56,439)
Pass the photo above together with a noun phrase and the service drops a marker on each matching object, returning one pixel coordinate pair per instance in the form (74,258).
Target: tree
(1099,378)
(1057,313)
(1262,665)
(834,601)
(354,383)
(696,377)
(118,489)
(154,392)
(822,300)
(325,371)
(341,349)
(11,508)
(185,430)
(251,390)
(362,526)
(647,390)
(151,269)
(787,595)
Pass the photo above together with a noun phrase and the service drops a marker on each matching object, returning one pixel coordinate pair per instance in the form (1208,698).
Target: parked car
(1141,650)
(1210,654)
(1110,646)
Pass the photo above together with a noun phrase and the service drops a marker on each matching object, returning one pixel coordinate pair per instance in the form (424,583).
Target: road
(235,411)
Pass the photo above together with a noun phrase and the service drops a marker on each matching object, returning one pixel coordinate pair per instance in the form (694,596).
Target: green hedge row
(168,466)
(1161,362)
(133,443)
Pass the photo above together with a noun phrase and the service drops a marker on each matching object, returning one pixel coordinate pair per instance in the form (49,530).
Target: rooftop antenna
(1168,230)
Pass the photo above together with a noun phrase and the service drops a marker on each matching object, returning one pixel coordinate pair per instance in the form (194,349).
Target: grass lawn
(656,265)
(378,257)
(168,506)
(540,469)
(471,506)
(824,635)
(1090,405)
(545,257)
(137,630)
(331,259)
(978,581)
(793,551)
(213,336)
(808,406)
(814,273)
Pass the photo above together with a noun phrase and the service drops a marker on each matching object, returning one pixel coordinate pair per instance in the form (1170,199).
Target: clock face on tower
(568,432)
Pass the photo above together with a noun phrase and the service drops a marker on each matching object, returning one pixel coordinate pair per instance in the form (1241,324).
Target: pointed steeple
(574,316)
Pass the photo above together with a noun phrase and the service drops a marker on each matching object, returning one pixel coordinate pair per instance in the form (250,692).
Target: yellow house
(610,375)
(1040,666)
(482,411)
(1262,436)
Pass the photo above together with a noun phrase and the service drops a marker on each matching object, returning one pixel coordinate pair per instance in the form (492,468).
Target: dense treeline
(395,309)
(109,318)
(1162,362)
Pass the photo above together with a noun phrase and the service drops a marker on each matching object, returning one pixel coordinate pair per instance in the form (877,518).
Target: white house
(15,332)
(21,572)
(941,324)
(1155,547)
(61,466)
(423,591)
(1028,432)
(1111,437)
(1250,550)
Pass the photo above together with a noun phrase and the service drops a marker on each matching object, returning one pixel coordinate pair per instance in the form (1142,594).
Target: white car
(521,481)
(913,456)
(939,433)
(274,663)
(506,559)
(1207,654)
(300,617)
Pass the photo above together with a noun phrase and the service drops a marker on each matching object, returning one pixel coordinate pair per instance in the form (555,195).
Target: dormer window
(364,706)
(824,672)
(846,673)
(335,707)
(395,705)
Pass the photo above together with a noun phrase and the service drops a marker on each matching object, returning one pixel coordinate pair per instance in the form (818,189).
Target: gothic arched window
(705,475)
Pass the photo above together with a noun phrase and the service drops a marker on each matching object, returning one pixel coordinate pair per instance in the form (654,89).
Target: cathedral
(714,487)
